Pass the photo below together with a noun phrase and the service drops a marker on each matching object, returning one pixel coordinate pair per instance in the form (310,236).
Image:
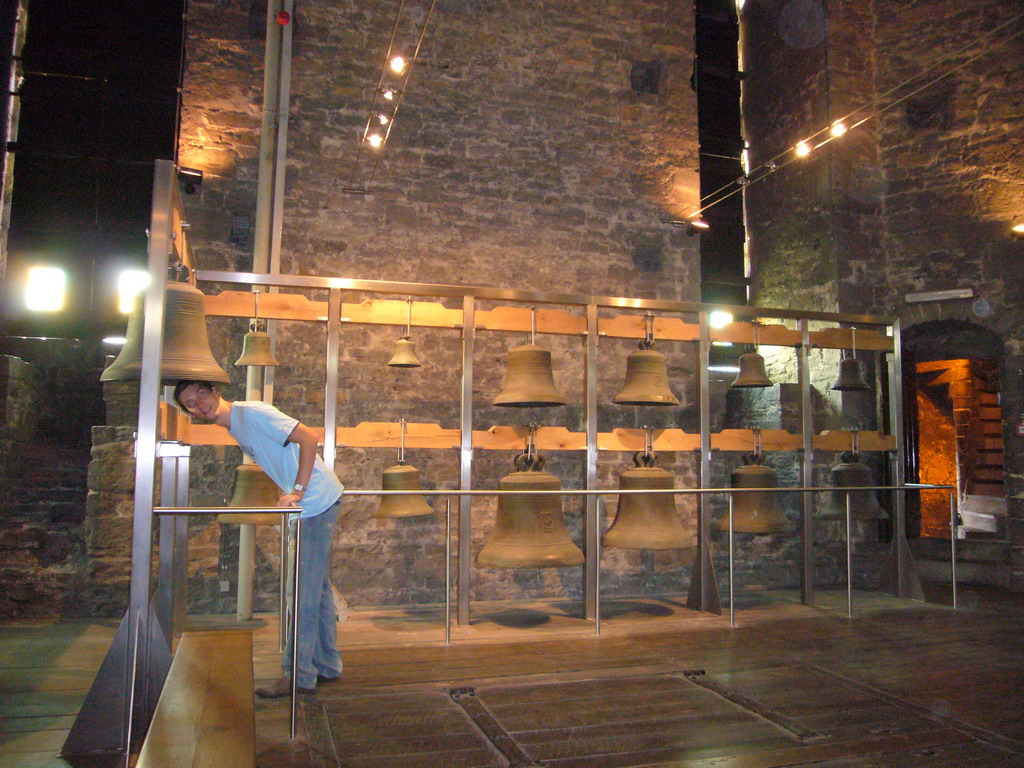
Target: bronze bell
(529,530)
(850,473)
(752,373)
(755,512)
(253,488)
(646,380)
(186,347)
(646,521)
(528,379)
(402,477)
(256,349)
(404,355)
(851,376)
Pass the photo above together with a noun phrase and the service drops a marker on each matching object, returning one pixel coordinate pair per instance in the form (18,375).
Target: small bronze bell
(851,376)
(402,477)
(529,381)
(850,473)
(186,348)
(646,521)
(529,529)
(755,512)
(752,373)
(646,380)
(256,349)
(404,355)
(253,488)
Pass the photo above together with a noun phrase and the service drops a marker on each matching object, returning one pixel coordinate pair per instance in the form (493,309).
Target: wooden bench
(205,715)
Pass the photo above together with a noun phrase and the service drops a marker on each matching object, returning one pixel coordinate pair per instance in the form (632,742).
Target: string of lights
(388,95)
(842,125)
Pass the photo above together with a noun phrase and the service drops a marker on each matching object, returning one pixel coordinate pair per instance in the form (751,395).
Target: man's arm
(308,443)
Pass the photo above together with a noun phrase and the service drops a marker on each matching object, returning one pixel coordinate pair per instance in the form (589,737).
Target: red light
(283,17)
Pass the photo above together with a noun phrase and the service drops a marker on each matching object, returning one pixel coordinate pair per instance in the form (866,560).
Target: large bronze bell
(850,473)
(402,477)
(755,512)
(851,376)
(646,521)
(253,488)
(404,355)
(256,349)
(752,372)
(529,381)
(529,530)
(186,347)
(646,380)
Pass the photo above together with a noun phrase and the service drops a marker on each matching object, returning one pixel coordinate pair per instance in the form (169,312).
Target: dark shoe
(280,688)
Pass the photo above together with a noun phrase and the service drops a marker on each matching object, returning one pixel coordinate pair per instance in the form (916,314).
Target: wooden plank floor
(901,684)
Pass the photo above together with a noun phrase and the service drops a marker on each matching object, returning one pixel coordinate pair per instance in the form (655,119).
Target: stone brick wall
(920,197)
(521,158)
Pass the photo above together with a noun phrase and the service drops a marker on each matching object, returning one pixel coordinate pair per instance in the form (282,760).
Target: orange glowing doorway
(959,429)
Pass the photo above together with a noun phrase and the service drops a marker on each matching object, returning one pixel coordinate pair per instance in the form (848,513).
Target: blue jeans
(318,626)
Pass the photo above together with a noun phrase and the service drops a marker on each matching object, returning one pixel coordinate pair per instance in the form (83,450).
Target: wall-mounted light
(191,180)
(45,288)
(697,226)
(1017,230)
(130,283)
(719,318)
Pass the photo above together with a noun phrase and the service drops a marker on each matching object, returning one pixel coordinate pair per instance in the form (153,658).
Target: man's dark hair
(180,386)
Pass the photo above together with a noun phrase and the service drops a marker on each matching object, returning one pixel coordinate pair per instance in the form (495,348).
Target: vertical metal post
(806,465)
(171,599)
(180,571)
(896,418)
(282,588)
(703,594)
(448,570)
(849,562)
(466,457)
(597,562)
(296,595)
(732,570)
(331,385)
(160,245)
(592,519)
(281,138)
(952,542)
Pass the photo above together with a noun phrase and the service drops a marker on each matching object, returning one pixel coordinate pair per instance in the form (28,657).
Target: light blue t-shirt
(262,432)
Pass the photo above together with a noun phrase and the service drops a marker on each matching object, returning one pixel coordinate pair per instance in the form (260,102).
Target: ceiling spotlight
(389,93)
(397,64)
(374,139)
(696,226)
(838,128)
(382,118)
(802,149)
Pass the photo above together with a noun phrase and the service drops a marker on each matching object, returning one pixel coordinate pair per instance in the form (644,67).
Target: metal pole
(806,465)
(732,579)
(849,562)
(295,624)
(448,570)
(282,589)
(591,520)
(597,567)
(952,542)
(903,568)
(466,456)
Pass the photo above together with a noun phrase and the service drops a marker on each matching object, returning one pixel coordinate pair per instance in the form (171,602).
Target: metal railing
(600,494)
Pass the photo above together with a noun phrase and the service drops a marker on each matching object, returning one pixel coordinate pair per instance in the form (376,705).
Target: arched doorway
(951,375)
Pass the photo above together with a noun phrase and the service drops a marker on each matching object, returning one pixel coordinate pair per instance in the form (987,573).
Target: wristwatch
(299,487)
